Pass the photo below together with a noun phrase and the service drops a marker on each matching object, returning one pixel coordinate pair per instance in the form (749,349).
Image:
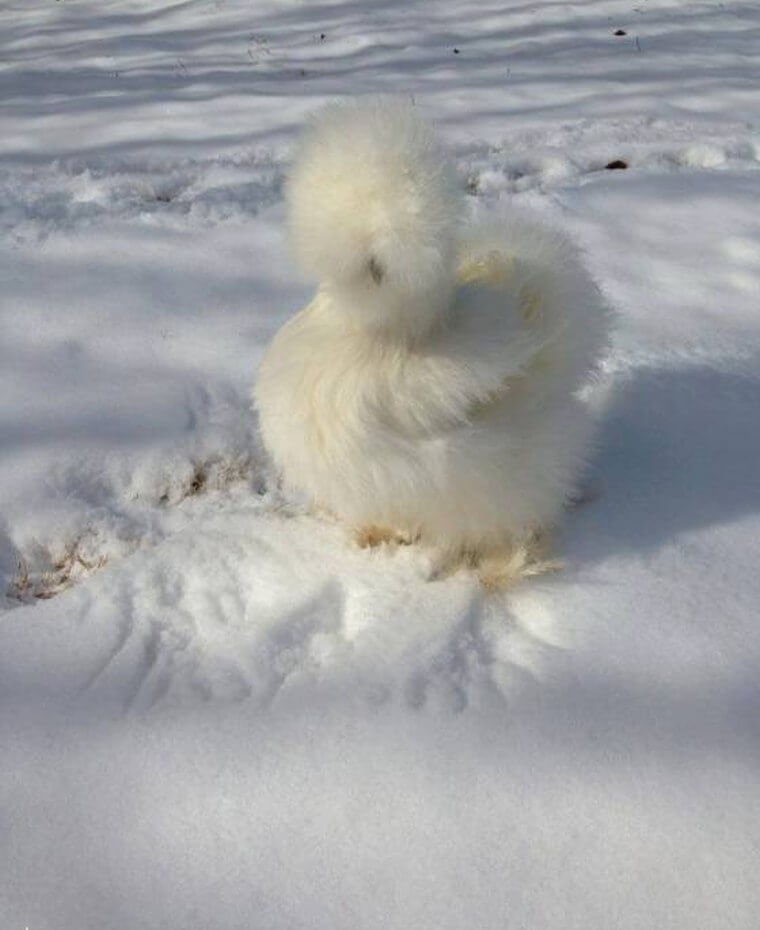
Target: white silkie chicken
(429,390)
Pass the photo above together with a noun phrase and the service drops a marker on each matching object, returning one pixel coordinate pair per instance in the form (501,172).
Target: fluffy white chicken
(429,390)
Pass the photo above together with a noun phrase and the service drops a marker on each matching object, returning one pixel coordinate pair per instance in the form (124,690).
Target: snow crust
(216,713)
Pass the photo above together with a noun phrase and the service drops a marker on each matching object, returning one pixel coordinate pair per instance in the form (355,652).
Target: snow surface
(217,714)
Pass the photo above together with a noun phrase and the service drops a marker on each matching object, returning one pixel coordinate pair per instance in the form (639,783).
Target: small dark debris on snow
(456,51)
(617,165)
(620,32)
(322,36)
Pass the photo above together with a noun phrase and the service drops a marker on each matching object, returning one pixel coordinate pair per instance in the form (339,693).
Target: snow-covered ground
(217,714)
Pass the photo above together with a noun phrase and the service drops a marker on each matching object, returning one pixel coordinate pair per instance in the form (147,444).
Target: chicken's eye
(376,270)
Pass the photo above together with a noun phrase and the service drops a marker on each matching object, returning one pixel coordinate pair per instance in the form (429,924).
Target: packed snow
(216,712)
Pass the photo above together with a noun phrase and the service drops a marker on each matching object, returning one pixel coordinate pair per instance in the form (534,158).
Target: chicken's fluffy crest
(373,198)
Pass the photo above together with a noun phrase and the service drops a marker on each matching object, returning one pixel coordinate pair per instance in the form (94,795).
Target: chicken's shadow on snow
(678,452)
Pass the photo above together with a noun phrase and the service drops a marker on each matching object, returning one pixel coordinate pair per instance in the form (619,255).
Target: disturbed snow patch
(74,192)
(542,158)
(99,508)
(252,604)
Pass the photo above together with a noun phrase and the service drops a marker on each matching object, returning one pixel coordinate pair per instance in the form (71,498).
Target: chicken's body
(458,425)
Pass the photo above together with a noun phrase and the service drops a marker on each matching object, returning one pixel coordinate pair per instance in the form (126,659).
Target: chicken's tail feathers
(556,297)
